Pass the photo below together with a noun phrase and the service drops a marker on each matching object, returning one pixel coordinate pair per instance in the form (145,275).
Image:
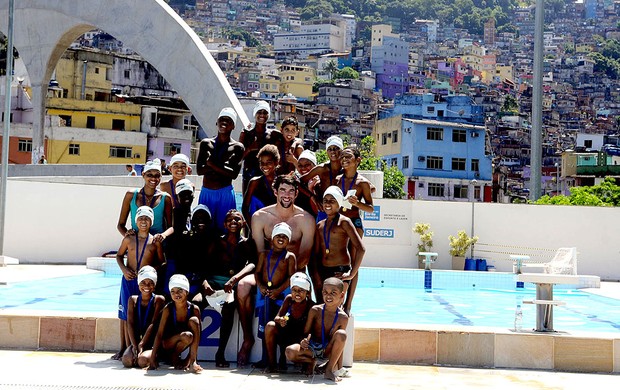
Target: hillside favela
(439,180)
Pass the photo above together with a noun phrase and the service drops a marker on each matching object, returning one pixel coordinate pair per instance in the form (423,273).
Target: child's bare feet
(118,355)
(244,352)
(330,375)
(196,368)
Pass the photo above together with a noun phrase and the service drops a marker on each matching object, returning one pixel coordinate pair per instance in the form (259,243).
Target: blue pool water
(383,295)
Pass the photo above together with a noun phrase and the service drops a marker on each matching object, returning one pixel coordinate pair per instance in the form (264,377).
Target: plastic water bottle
(518,319)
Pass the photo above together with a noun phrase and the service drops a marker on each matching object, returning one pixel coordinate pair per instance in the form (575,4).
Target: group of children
(204,251)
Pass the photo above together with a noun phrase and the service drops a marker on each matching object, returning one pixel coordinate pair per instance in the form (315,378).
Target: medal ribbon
(270,271)
(141,320)
(327,233)
(144,198)
(323,343)
(140,256)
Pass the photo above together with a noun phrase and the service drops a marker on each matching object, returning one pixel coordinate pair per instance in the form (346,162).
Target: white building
(312,39)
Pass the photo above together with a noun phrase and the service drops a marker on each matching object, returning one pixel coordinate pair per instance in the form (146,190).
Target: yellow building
(269,85)
(504,72)
(583,48)
(89,125)
(387,136)
(296,80)
(481,60)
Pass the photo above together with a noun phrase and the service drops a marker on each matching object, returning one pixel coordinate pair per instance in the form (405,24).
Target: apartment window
(434,133)
(395,136)
(120,151)
(475,165)
(405,162)
(384,139)
(96,70)
(460,191)
(430,109)
(90,122)
(433,162)
(118,124)
(587,143)
(67,119)
(459,135)
(394,162)
(126,74)
(436,189)
(24,145)
(74,149)
(458,164)
(170,149)
(477,192)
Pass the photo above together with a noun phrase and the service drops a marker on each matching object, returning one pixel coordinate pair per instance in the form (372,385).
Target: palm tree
(331,67)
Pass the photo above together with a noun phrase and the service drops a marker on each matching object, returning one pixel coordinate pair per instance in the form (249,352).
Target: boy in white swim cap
(142,314)
(179,328)
(273,272)
(141,250)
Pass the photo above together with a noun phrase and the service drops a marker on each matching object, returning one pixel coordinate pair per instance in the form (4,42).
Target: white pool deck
(25,368)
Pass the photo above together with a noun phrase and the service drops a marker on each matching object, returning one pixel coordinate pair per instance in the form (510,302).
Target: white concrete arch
(43,29)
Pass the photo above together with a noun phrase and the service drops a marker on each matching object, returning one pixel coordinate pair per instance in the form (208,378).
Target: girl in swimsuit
(288,326)
(143,312)
(178,168)
(150,196)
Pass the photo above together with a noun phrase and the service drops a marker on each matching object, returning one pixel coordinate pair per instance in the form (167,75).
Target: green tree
(347,73)
(393,183)
(370,161)
(510,104)
(605,194)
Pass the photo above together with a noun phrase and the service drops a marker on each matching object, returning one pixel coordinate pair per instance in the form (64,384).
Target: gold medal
(232,272)
(344,209)
(268,284)
(327,251)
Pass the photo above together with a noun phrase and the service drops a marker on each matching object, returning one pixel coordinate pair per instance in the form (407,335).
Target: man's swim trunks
(128,288)
(218,202)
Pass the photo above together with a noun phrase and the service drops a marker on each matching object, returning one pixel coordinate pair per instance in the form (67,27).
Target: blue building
(440,145)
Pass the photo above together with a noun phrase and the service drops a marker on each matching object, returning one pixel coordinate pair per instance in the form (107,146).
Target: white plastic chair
(563,263)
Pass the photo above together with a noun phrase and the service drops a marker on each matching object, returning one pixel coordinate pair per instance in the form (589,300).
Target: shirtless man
(219,161)
(302,225)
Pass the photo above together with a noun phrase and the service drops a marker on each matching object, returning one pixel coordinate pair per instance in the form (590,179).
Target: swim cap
(183,185)
(200,207)
(335,141)
(229,112)
(336,193)
(282,228)
(178,281)
(179,157)
(152,165)
(300,280)
(261,105)
(145,211)
(147,272)
(308,155)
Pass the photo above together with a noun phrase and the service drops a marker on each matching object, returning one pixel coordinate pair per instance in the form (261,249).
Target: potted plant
(458,248)
(426,240)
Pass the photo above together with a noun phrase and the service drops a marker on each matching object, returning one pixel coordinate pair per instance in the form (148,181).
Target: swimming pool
(384,295)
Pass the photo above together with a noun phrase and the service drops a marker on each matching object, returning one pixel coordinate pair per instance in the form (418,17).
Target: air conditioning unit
(421,158)
(137,155)
(477,175)
(474,134)
(421,185)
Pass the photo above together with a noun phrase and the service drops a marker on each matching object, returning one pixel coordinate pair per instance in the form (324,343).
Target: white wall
(66,223)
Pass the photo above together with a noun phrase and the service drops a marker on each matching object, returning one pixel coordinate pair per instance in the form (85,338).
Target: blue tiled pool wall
(441,279)
(396,277)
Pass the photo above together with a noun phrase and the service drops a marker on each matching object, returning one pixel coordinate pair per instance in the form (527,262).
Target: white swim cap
(145,211)
(301,280)
(200,207)
(282,228)
(147,272)
(308,155)
(336,193)
(261,105)
(184,185)
(335,141)
(152,165)
(229,112)
(179,157)
(178,281)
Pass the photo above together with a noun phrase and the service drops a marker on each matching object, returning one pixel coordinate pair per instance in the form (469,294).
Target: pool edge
(475,347)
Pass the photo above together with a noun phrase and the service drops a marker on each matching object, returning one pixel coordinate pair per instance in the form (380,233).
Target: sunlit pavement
(69,370)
